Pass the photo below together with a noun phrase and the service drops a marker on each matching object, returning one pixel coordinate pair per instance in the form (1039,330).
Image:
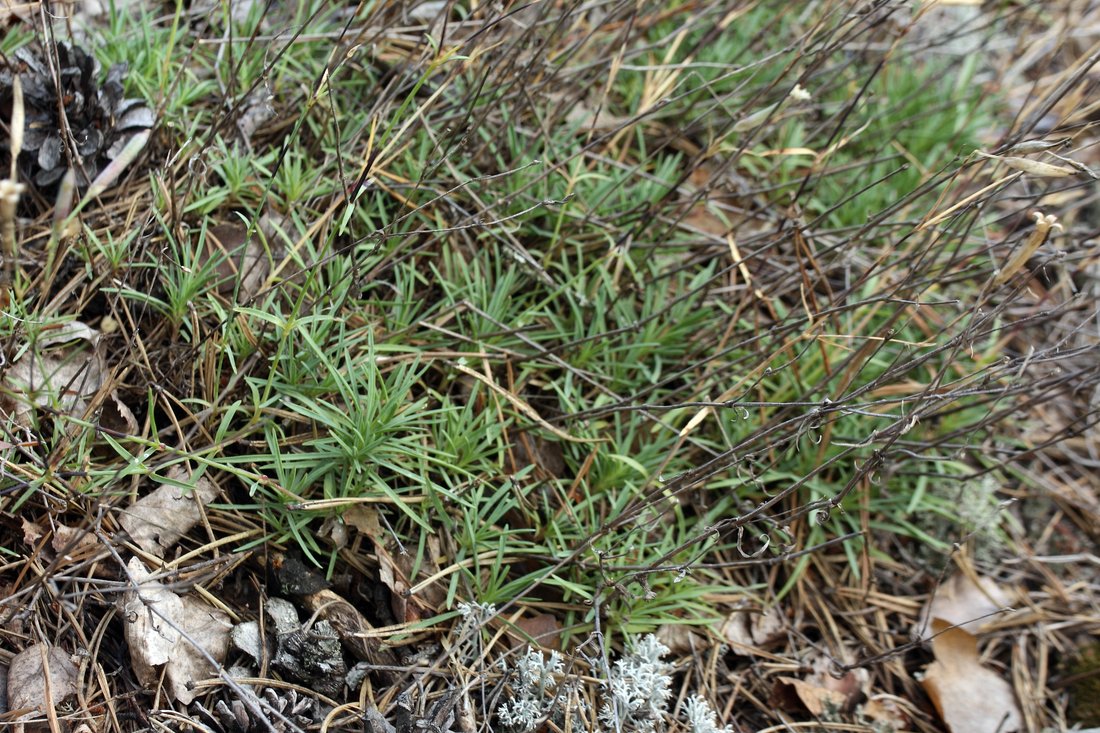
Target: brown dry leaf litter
(970,697)
(62,369)
(821,692)
(184,635)
(158,521)
(72,544)
(965,601)
(40,679)
(754,629)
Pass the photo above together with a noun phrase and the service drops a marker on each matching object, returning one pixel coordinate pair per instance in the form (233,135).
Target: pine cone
(235,717)
(100,120)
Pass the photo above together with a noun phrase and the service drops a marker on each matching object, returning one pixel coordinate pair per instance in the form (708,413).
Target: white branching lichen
(638,689)
(702,718)
(635,699)
(535,685)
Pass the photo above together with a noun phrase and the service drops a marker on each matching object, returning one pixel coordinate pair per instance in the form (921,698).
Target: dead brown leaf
(116,415)
(336,530)
(751,628)
(40,678)
(364,517)
(790,692)
(158,521)
(241,256)
(32,532)
(395,570)
(208,628)
(392,573)
(63,370)
(164,630)
(821,691)
(680,639)
(962,602)
(77,544)
(150,613)
(969,697)
(885,712)
(544,628)
(352,626)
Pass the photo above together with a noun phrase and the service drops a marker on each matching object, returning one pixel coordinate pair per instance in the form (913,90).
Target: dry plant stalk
(1043,225)
(11,189)
(18,122)
(9,200)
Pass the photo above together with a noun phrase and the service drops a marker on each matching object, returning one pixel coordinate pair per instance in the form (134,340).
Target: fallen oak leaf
(964,603)
(62,369)
(158,521)
(186,636)
(40,678)
(791,691)
(150,613)
(969,697)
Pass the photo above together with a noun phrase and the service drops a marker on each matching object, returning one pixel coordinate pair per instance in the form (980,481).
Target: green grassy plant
(620,370)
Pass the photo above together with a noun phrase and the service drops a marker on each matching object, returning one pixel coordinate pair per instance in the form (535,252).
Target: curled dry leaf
(186,636)
(409,601)
(62,369)
(962,602)
(751,628)
(544,628)
(852,684)
(791,692)
(158,521)
(117,415)
(335,530)
(969,697)
(821,691)
(1031,167)
(32,533)
(1044,225)
(352,627)
(40,677)
(76,544)
(241,255)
